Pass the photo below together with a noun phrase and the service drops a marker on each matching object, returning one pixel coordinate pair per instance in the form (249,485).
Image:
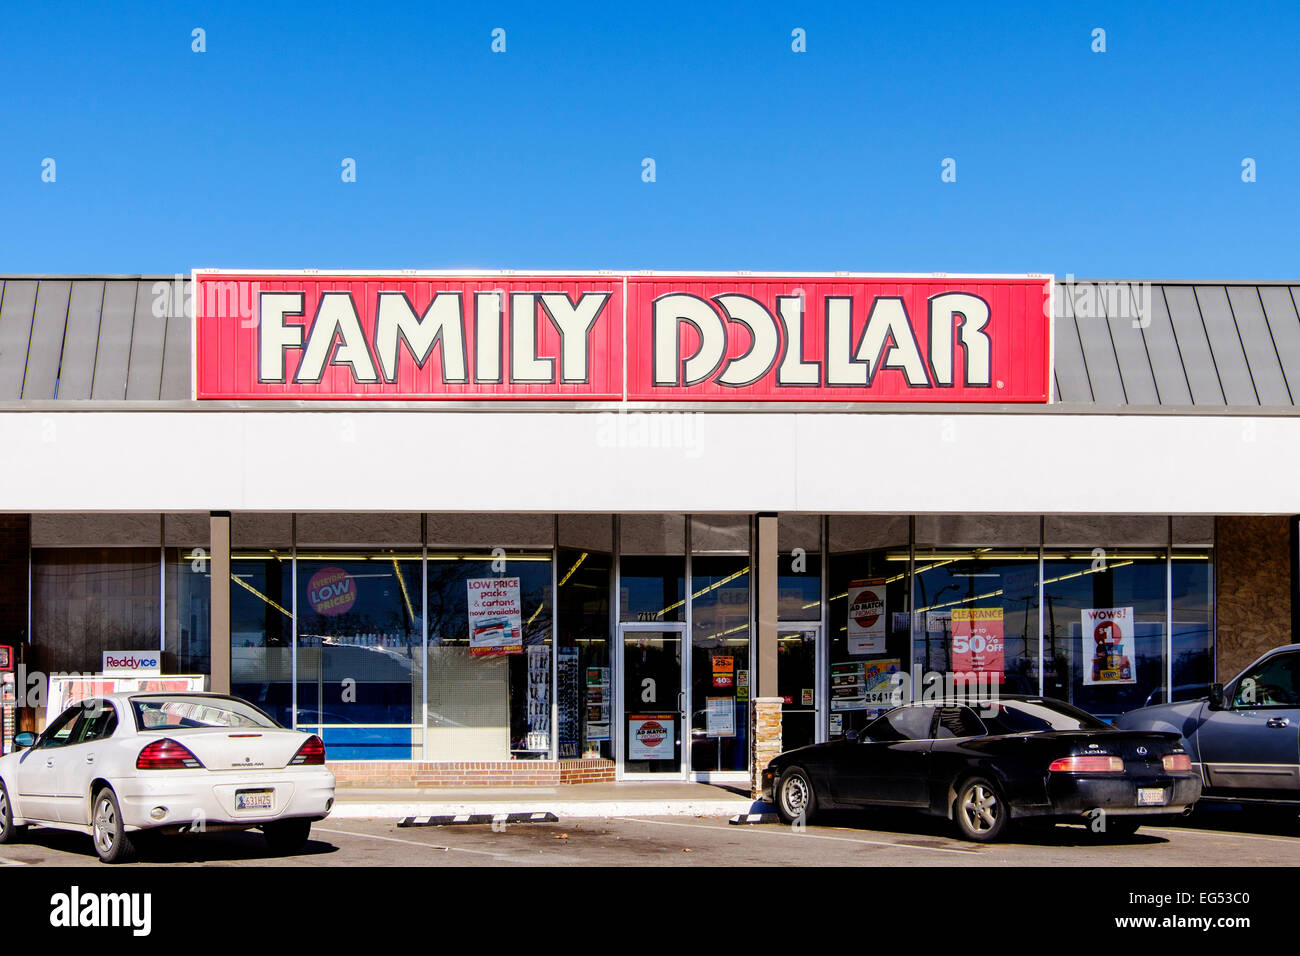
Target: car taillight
(311,752)
(1096,764)
(166,754)
(1176,762)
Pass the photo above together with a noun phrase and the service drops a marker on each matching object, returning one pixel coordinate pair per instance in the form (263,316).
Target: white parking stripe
(1291,841)
(427,846)
(785,831)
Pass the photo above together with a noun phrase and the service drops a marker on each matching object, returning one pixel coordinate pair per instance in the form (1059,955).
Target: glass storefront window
(1192,611)
(720,699)
(360,650)
(799,587)
(489,684)
(878,643)
(1104,615)
(89,600)
(584,675)
(261,630)
(1119,624)
(977,613)
(652,588)
(188,613)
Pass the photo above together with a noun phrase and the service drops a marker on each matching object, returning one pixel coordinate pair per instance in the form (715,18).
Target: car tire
(287,836)
(108,830)
(795,797)
(980,810)
(9,831)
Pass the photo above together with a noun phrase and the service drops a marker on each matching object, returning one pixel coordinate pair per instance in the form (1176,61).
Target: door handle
(1279,722)
(681,702)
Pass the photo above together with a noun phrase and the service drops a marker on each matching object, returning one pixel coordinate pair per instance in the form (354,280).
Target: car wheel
(286,836)
(795,798)
(108,830)
(981,812)
(9,832)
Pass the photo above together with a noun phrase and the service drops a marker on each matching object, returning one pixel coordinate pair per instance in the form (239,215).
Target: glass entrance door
(798,681)
(652,686)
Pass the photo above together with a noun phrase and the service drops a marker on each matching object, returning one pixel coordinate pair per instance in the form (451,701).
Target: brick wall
(586,771)
(506,773)
(1253,600)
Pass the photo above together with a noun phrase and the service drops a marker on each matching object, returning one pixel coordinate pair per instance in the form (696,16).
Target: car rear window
(189,713)
(1036,716)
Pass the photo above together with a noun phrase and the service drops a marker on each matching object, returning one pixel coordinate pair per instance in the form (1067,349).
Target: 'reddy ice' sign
(621,337)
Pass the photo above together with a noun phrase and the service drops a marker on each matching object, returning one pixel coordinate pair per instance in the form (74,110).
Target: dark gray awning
(1118,343)
(1177,343)
(105,338)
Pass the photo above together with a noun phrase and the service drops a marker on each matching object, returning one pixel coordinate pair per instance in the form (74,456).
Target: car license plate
(253,799)
(1152,797)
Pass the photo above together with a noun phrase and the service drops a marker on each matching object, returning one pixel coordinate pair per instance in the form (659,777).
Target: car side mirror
(24,740)
(1216,697)
(852,735)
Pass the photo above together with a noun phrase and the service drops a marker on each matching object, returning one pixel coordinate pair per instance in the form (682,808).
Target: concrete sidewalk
(575,800)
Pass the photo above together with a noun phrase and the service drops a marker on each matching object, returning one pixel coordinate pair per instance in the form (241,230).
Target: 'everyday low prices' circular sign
(331,592)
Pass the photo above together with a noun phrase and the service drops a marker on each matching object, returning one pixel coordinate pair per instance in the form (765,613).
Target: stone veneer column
(766,736)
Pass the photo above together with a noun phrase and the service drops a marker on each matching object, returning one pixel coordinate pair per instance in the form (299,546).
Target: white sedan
(116,765)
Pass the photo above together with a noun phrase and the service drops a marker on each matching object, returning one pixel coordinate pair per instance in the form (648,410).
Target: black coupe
(986,764)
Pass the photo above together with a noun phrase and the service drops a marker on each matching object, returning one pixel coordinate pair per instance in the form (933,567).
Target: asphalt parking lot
(1227,837)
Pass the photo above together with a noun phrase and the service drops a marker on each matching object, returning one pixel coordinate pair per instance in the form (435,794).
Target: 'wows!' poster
(1108,645)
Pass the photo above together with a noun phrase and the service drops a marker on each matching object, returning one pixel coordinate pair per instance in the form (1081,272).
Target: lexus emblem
(1142,751)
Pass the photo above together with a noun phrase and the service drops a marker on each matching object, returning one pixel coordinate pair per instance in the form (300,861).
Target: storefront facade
(674,513)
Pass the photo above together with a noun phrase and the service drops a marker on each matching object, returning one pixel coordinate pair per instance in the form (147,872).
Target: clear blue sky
(1125,163)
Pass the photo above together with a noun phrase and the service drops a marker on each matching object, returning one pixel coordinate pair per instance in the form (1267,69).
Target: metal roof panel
(176,366)
(1131,307)
(144,375)
(1226,345)
(1071,370)
(1280,309)
(81,338)
(1193,345)
(1162,350)
(45,350)
(1089,305)
(1260,350)
(113,358)
(17,305)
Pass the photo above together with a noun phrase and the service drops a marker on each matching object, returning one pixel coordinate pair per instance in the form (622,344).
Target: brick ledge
(419,774)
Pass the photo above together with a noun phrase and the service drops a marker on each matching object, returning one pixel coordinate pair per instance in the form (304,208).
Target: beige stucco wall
(1254,589)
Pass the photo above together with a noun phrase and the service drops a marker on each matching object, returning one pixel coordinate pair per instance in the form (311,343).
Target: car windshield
(1035,716)
(189,713)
